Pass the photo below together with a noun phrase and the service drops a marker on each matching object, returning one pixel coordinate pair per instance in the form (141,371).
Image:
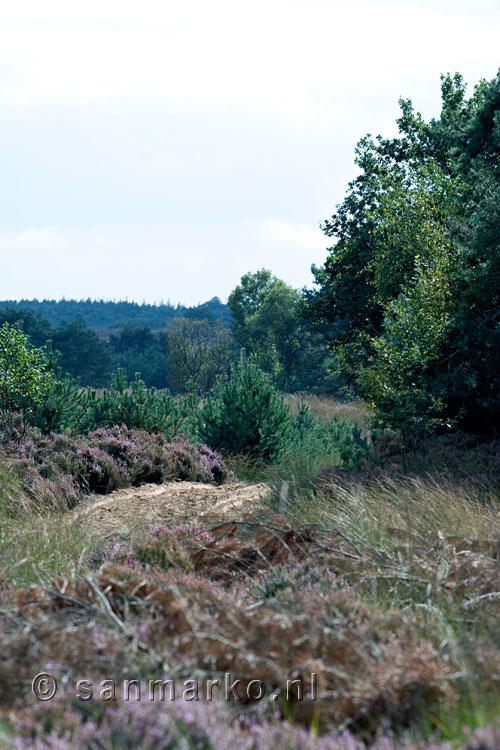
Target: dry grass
(35,544)
(134,508)
(386,587)
(374,509)
(261,608)
(37,548)
(326,407)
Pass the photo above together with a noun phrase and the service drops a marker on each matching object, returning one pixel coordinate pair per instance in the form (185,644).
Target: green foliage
(135,406)
(198,353)
(83,354)
(137,349)
(341,439)
(100,314)
(246,415)
(397,379)
(24,379)
(410,289)
(37,328)
(67,407)
(60,406)
(268,323)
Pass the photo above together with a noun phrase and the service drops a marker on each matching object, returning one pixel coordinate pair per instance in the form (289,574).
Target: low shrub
(315,446)
(165,551)
(61,406)
(56,469)
(341,439)
(179,725)
(68,407)
(136,406)
(246,415)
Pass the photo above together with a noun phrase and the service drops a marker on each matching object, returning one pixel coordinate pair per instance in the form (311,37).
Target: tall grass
(41,546)
(416,506)
(322,437)
(36,544)
(427,546)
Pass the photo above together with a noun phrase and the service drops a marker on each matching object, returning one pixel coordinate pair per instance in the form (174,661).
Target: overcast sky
(159,150)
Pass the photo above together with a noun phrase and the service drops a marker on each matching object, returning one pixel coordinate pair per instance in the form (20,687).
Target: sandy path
(173,502)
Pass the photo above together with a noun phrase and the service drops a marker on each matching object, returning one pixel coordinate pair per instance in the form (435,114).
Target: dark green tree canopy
(199,352)
(83,354)
(411,285)
(268,323)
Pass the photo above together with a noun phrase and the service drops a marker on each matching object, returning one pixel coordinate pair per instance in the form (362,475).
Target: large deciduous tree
(411,286)
(198,353)
(268,323)
(24,377)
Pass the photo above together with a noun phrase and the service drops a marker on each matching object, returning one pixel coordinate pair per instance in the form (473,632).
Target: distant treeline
(180,348)
(110,314)
(78,351)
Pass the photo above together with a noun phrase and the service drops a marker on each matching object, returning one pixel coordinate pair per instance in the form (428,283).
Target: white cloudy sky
(159,150)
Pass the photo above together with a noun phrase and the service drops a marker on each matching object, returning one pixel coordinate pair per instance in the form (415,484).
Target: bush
(135,406)
(59,409)
(59,468)
(246,415)
(341,439)
(315,446)
(68,407)
(163,550)
(24,379)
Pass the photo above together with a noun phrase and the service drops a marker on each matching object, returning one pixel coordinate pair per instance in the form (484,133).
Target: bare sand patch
(173,502)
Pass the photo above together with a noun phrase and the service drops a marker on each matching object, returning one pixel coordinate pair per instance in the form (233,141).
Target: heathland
(276,523)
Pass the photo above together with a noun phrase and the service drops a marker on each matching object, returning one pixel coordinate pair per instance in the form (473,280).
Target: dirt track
(173,502)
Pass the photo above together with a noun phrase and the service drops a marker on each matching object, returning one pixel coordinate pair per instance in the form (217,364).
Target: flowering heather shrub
(165,551)
(113,551)
(484,739)
(280,581)
(193,725)
(69,462)
(183,530)
(60,467)
(162,546)
(377,668)
(196,463)
(371,666)
(141,456)
(176,725)
(212,462)
(171,547)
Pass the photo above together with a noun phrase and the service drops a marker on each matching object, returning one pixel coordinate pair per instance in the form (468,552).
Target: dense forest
(103,314)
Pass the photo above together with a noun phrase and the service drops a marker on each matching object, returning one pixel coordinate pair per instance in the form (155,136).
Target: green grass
(35,546)
(308,455)
(38,548)
(298,465)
